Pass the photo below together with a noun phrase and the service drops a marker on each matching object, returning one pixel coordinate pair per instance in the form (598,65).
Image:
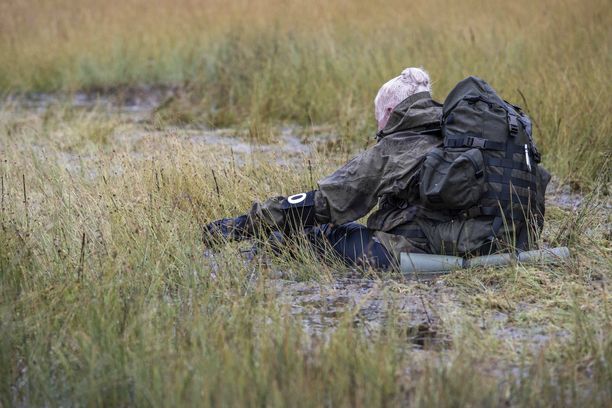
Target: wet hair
(409,82)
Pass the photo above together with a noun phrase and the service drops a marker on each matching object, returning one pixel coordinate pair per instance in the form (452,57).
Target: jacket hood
(416,113)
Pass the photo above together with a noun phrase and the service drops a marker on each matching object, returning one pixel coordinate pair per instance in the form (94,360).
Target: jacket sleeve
(353,190)
(388,167)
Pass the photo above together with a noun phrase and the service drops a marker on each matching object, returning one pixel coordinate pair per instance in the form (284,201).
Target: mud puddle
(225,140)
(141,145)
(137,101)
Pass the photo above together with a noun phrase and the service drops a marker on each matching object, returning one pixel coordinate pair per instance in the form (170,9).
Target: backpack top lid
(471,87)
(457,118)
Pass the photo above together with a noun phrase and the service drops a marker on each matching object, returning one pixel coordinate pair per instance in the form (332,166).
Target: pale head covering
(409,82)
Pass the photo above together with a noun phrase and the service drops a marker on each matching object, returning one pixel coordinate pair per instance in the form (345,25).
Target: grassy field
(107,296)
(252,63)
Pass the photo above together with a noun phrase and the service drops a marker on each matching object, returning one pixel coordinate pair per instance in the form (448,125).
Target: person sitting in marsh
(460,178)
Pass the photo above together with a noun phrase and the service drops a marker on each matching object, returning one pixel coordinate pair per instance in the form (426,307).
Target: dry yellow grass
(250,63)
(106,298)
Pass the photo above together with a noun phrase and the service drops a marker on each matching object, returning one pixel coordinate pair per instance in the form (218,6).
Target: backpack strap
(479,211)
(473,140)
(514,181)
(507,164)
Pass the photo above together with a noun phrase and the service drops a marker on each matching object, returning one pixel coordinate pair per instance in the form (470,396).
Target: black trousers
(352,242)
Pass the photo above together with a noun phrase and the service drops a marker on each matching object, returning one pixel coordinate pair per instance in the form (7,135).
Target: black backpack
(488,165)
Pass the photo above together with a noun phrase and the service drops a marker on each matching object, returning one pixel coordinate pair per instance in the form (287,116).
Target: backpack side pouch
(452,179)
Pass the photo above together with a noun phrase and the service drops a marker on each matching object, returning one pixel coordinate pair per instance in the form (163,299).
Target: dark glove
(228,229)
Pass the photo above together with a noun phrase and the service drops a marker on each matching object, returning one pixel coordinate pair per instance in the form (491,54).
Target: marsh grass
(108,298)
(254,64)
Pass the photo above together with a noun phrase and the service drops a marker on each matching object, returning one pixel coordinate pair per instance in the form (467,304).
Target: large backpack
(487,167)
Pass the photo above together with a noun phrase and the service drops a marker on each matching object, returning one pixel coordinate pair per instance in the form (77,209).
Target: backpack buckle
(471,212)
(471,141)
(513,124)
(513,129)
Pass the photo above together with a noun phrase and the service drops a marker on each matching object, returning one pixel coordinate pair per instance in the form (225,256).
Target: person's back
(387,175)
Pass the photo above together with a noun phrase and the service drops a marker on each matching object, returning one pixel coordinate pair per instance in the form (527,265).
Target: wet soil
(420,310)
(562,195)
(139,100)
(365,303)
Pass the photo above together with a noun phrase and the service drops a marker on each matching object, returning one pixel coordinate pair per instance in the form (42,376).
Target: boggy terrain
(127,124)
(108,297)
